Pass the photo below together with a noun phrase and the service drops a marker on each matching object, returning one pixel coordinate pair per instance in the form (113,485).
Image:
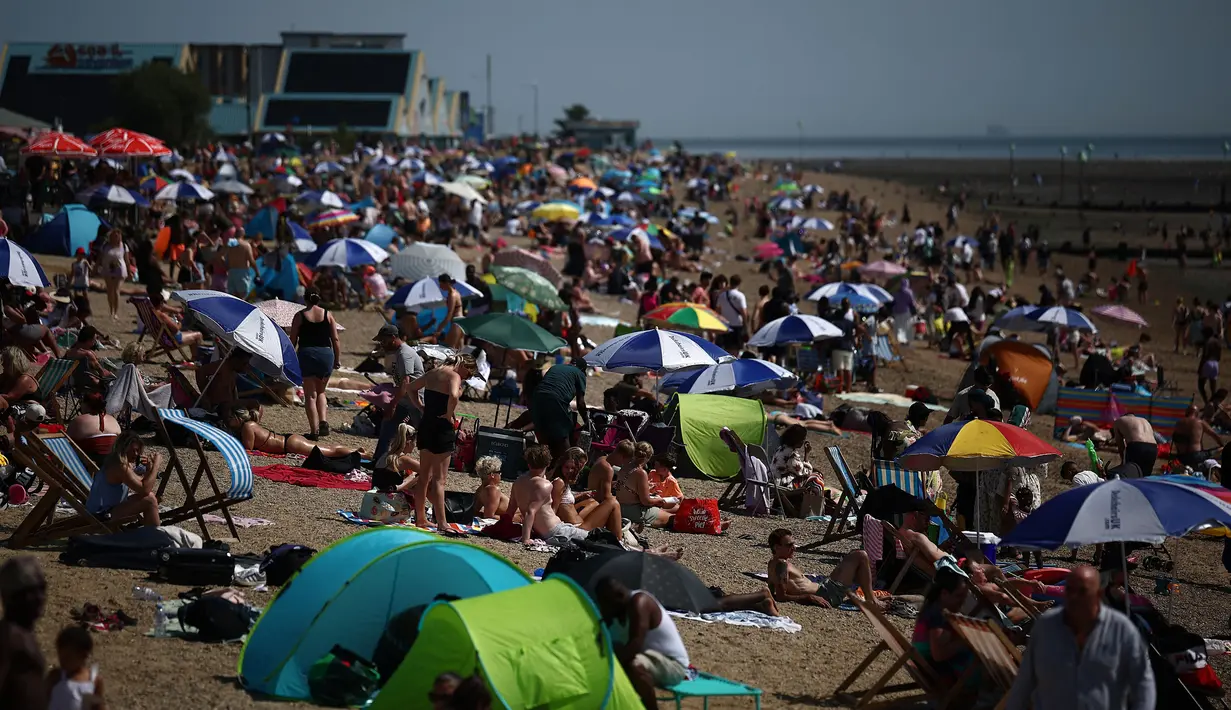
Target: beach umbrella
(582,184)
(693,316)
(116,134)
(525,206)
(347,254)
(282,313)
(616,176)
(523,259)
(788,186)
(427,293)
(1015,319)
(961,241)
(813,189)
(811,224)
(464,191)
(672,584)
(556,212)
(689,212)
(184,191)
(427,178)
(786,204)
(629,197)
(381,235)
(657,351)
(109,162)
(243,325)
(478,182)
(697,182)
(322,198)
(530,285)
(232,187)
(743,377)
(1148,510)
(134,146)
(506,330)
(328,167)
(625,234)
(305,245)
(797,328)
(332,218)
(55,144)
(1063,317)
(112,194)
(182,174)
(419,260)
(1122,314)
(411,164)
(767,250)
(862,296)
(19,267)
(976,445)
(882,269)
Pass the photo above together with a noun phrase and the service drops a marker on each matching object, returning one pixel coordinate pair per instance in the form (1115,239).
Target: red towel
(307,477)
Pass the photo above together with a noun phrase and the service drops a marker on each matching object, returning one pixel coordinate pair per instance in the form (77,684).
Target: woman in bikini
(94,430)
(255,437)
(571,507)
(401,457)
(442,388)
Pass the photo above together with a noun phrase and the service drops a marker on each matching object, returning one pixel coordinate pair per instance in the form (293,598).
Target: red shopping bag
(698,515)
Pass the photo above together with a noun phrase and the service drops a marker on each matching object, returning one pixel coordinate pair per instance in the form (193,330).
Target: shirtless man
(1134,437)
(1189,436)
(602,471)
(532,498)
(217,381)
(23,591)
(1079,430)
(239,260)
(788,584)
(83,349)
(451,334)
(170,318)
(489,500)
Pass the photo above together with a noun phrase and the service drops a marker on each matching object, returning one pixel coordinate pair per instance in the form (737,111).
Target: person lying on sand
(788,584)
(821,425)
(532,498)
(1079,430)
(489,500)
(255,437)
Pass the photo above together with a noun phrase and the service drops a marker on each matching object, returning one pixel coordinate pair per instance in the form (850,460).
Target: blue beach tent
(348,592)
(75,227)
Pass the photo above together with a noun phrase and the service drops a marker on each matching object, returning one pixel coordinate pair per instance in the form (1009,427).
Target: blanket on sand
(307,477)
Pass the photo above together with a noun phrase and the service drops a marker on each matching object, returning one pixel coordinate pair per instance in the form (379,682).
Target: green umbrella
(530,286)
(509,331)
(790,186)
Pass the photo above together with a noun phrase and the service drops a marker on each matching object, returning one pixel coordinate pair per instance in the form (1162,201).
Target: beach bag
(342,678)
(698,515)
(189,567)
(283,561)
(459,507)
(385,508)
(216,619)
(317,461)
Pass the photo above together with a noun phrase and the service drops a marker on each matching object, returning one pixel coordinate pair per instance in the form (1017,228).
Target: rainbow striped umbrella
(976,445)
(332,218)
(693,316)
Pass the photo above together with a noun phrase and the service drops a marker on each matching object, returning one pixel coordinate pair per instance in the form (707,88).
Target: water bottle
(146,594)
(160,621)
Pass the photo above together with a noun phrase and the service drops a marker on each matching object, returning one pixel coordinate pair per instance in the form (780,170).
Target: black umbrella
(672,584)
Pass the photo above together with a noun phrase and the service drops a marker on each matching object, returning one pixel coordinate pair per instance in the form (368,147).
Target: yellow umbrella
(693,316)
(556,212)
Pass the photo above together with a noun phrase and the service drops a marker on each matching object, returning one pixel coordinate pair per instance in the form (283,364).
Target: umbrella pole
(1124,566)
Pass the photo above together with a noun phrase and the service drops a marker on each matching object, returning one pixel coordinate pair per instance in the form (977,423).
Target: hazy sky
(727,68)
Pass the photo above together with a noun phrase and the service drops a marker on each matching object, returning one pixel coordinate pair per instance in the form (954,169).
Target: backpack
(342,678)
(283,561)
(216,619)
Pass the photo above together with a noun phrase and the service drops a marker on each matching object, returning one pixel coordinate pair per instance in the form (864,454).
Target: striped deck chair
(925,680)
(236,459)
(999,657)
(69,474)
(708,686)
(884,350)
(55,379)
(164,342)
(847,504)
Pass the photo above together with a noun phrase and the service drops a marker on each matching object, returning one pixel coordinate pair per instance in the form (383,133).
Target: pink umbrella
(1123,314)
(523,259)
(882,268)
(768,250)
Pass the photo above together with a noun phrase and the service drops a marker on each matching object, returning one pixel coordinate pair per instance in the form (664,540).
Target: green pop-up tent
(541,646)
(699,418)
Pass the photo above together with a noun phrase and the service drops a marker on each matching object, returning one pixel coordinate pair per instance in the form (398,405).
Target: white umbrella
(420,260)
(234,187)
(464,191)
(347,254)
(797,328)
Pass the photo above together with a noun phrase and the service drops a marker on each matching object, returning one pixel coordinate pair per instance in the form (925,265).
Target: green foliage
(576,112)
(159,99)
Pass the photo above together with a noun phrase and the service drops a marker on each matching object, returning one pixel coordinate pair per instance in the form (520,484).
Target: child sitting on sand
(75,684)
(788,584)
(663,483)
(489,500)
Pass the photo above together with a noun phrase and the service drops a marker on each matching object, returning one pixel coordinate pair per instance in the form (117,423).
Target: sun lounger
(237,462)
(708,686)
(54,379)
(164,341)
(847,504)
(68,473)
(997,654)
(924,679)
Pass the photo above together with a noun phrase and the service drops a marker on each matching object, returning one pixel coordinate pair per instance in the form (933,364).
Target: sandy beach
(794,670)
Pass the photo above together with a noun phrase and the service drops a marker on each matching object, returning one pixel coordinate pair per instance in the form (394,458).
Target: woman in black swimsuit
(442,387)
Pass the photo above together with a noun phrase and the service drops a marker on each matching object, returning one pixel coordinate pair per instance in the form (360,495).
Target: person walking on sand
(1084,655)
(442,388)
(314,335)
(114,263)
(1207,369)
(23,591)
(240,264)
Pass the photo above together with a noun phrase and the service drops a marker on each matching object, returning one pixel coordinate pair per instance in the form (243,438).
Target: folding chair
(706,686)
(997,654)
(924,678)
(55,379)
(734,493)
(164,342)
(236,459)
(837,529)
(184,393)
(69,474)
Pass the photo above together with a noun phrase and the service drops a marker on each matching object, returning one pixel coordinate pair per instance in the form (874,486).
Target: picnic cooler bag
(196,568)
(698,515)
(385,507)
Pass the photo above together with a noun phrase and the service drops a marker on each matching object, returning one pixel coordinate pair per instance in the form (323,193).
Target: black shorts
(437,436)
(1142,453)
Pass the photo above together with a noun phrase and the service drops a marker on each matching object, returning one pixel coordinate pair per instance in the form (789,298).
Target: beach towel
(742,618)
(240,522)
(352,517)
(296,476)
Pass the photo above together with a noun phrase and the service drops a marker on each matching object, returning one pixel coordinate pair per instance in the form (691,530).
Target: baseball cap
(35,413)
(388,330)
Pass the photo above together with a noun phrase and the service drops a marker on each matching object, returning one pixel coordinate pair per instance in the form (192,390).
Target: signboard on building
(93,57)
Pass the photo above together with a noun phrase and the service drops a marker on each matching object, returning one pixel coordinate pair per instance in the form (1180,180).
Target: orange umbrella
(851,265)
(583,183)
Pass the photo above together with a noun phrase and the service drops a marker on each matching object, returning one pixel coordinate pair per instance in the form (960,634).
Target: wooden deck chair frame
(839,527)
(40,524)
(924,678)
(736,489)
(194,508)
(1018,598)
(49,389)
(164,342)
(996,653)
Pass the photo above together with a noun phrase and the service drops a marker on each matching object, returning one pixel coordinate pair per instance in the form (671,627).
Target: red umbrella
(134,147)
(59,145)
(112,134)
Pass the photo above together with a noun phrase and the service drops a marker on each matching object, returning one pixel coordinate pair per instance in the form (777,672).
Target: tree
(576,112)
(159,99)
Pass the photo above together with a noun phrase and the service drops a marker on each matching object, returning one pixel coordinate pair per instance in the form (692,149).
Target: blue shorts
(239,282)
(316,361)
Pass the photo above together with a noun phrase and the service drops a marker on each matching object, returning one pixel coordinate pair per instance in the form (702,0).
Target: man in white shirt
(961,401)
(644,636)
(474,223)
(733,306)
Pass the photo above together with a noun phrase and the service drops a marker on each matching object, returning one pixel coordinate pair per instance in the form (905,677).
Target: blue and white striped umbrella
(384,162)
(1016,319)
(657,351)
(816,189)
(525,207)
(427,293)
(625,234)
(1120,510)
(863,297)
(413,164)
(109,162)
(182,174)
(811,223)
(113,194)
(328,167)
(347,253)
(629,197)
(322,198)
(428,178)
(743,377)
(184,191)
(1063,317)
(786,204)
(243,325)
(689,212)
(962,240)
(19,267)
(798,328)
